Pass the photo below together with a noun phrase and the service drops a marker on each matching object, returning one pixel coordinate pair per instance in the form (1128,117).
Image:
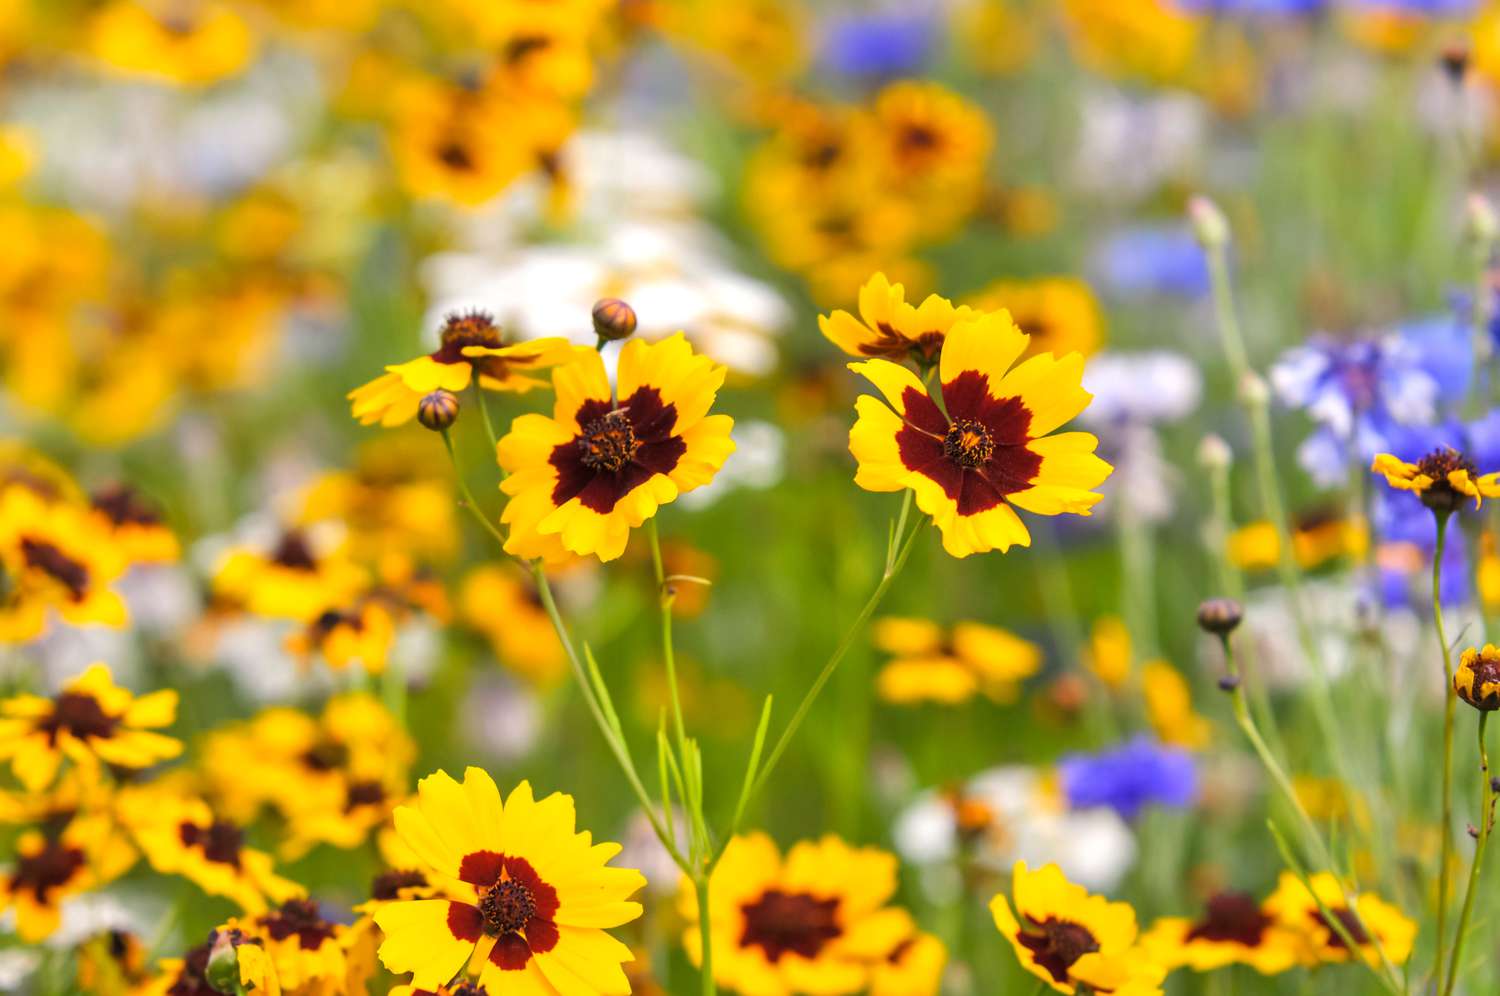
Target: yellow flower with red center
(890,328)
(1376,926)
(1059,313)
(135,526)
(991,448)
(181,835)
(91,721)
(1477,678)
(193,44)
(931,146)
(604,462)
(503,604)
(529,898)
(291,581)
(302,948)
(933,665)
(55,556)
(1444,479)
(1069,938)
(1234,929)
(816,921)
(360,635)
(51,864)
(471,350)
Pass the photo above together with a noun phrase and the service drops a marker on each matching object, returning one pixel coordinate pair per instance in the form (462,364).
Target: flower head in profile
(1444,479)
(1376,923)
(1068,938)
(471,348)
(815,921)
(529,898)
(604,462)
(931,664)
(990,449)
(890,328)
(92,721)
(1477,679)
(1234,929)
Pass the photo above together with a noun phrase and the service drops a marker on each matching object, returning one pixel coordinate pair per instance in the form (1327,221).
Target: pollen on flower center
(507,906)
(1057,944)
(608,443)
(790,921)
(968,443)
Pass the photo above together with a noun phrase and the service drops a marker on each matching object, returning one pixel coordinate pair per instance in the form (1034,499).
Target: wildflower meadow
(762,497)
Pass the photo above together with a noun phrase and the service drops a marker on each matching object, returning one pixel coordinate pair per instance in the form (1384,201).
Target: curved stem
(1449,703)
(469,502)
(1487,795)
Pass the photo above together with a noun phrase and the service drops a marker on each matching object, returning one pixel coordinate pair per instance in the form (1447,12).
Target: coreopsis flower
(471,349)
(55,556)
(1060,314)
(892,329)
(814,921)
(53,863)
(362,939)
(992,448)
(530,898)
(1067,937)
(503,604)
(290,581)
(1169,707)
(92,721)
(360,635)
(302,947)
(1318,537)
(931,146)
(1477,679)
(1235,929)
(912,968)
(580,480)
(181,835)
(109,959)
(930,664)
(134,525)
(193,44)
(1378,922)
(1444,479)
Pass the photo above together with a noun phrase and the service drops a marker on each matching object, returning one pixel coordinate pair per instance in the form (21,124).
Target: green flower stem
(665,598)
(1450,701)
(705,933)
(484,414)
(469,502)
(1487,795)
(1313,837)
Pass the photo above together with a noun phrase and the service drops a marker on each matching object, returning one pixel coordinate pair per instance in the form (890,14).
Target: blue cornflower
(1255,8)
(879,44)
(1137,773)
(1366,395)
(1152,260)
(1424,8)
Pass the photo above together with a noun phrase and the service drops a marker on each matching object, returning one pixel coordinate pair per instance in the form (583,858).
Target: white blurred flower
(502,716)
(1010,816)
(642,849)
(94,913)
(1129,145)
(16,965)
(1154,387)
(758,462)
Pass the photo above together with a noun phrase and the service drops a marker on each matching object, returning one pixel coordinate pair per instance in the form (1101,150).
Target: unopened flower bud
(613,319)
(438,410)
(1214,453)
(1220,616)
(1477,680)
(1455,62)
(223,969)
(1210,227)
(1229,682)
(1480,222)
(1253,390)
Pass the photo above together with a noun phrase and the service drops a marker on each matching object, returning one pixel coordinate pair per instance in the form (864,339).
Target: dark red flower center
(79,714)
(293,552)
(48,869)
(48,558)
(123,506)
(388,885)
(506,906)
(968,443)
(364,793)
(219,841)
(327,755)
(780,922)
(1056,944)
(514,906)
(455,155)
(617,449)
(1348,921)
(1231,917)
(299,918)
(1441,495)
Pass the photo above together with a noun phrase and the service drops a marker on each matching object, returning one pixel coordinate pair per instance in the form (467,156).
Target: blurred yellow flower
(1109,655)
(1169,707)
(192,43)
(933,665)
(1059,313)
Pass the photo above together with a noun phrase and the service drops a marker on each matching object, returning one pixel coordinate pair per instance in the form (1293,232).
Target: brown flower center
(790,921)
(48,558)
(293,552)
(48,869)
(299,918)
(388,885)
(507,906)
(1441,495)
(1349,922)
(326,756)
(968,443)
(1056,944)
(1233,917)
(608,443)
(123,506)
(366,793)
(469,328)
(219,841)
(78,714)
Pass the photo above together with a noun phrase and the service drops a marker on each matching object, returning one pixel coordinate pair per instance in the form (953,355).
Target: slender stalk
(705,934)
(666,637)
(1449,703)
(1487,795)
(393,688)
(1314,838)
(469,502)
(832,664)
(484,414)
